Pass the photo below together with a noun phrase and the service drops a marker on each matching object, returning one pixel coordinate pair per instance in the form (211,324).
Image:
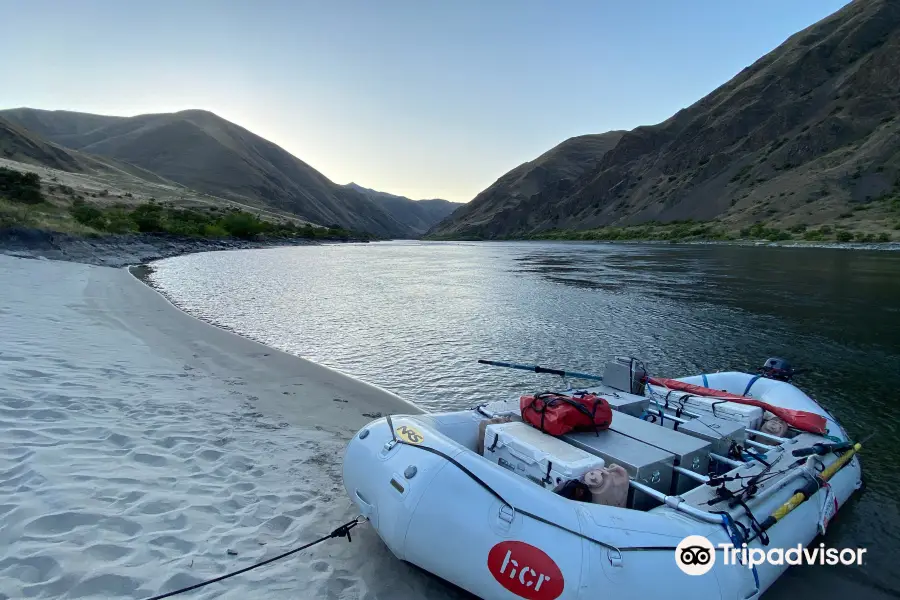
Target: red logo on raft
(525,571)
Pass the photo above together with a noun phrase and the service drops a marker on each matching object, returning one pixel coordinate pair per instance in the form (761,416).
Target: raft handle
(615,557)
(760,445)
(693,474)
(774,438)
(363,504)
(726,460)
(676,502)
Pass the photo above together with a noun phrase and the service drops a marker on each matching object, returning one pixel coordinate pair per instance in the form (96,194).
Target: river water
(414,317)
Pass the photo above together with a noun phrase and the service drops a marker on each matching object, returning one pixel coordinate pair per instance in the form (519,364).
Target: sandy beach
(142,450)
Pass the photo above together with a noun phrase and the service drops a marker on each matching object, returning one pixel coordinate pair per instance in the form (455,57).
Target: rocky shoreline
(123,250)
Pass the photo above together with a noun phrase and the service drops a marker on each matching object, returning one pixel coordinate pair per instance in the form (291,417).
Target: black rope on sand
(342,531)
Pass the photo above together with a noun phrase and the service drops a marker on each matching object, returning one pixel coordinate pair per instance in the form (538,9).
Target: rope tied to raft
(342,531)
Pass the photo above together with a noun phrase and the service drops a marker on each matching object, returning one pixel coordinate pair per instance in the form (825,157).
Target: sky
(422,98)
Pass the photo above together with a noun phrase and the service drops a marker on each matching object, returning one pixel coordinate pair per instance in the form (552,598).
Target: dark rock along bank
(119,250)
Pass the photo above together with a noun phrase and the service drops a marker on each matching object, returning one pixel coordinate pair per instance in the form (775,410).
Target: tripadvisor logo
(696,555)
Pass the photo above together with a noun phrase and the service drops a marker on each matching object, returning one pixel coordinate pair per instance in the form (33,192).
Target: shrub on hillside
(88,215)
(242,225)
(119,221)
(20,187)
(148,218)
(186,222)
(843,236)
(213,230)
(153,218)
(759,231)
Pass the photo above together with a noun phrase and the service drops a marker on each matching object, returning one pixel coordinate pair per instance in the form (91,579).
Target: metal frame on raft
(680,504)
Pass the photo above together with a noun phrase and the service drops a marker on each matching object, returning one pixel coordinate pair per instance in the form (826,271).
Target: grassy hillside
(808,135)
(208,154)
(59,125)
(19,144)
(27,201)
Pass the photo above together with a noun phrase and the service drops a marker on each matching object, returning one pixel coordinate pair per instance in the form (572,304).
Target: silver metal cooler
(644,463)
(690,452)
(631,404)
(718,432)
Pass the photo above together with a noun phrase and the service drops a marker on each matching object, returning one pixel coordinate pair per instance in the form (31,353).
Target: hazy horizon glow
(421,99)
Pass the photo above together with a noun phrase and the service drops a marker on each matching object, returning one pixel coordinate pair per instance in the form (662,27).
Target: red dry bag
(557,414)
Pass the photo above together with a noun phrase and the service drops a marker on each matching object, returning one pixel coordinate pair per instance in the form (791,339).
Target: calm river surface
(414,317)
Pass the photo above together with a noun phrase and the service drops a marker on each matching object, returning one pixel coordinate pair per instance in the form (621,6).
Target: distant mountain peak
(419,215)
(355,186)
(199,112)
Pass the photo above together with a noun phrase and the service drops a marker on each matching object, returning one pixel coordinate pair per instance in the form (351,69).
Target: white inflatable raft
(437,503)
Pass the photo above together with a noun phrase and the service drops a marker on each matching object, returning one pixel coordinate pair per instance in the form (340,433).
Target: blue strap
(662,414)
(750,384)
(737,539)
(748,456)
(705,381)
(733,532)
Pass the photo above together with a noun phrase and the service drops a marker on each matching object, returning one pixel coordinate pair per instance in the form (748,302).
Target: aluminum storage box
(720,433)
(531,453)
(749,416)
(644,463)
(631,404)
(690,452)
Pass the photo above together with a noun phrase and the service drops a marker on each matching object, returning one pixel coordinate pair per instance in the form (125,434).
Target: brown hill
(61,126)
(529,185)
(206,153)
(418,215)
(20,145)
(803,135)
(23,145)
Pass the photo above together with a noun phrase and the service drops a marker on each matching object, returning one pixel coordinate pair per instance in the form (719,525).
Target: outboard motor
(777,368)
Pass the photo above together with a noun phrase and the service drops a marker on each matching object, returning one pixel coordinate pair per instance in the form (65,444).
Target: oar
(806,492)
(537,369)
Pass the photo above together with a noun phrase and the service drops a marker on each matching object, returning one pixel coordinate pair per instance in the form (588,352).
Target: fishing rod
(821,449)
(807,491)
(537,369)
